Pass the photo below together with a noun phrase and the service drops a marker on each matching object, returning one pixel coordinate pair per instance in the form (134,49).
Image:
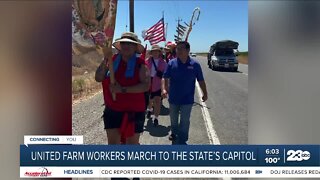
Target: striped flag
(155,34)
(143,54)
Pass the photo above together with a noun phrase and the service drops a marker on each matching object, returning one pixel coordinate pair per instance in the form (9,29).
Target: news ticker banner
(168,161)
(169,172)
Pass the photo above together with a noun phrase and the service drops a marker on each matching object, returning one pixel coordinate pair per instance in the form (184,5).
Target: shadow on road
(198,104)
(164,111)
(156,131)
(226,70)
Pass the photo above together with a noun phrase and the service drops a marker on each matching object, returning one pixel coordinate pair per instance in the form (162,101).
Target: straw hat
(155,48)
(131,38)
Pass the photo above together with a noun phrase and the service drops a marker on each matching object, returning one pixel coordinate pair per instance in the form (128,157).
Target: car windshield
(224,52)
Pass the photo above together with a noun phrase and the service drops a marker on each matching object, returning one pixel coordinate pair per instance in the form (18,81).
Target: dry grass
(84,85)
(84,64)
(87,62)
(202,54)
(243,59)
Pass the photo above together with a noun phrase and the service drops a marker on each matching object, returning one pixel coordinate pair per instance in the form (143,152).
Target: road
(226,107)
(228,101)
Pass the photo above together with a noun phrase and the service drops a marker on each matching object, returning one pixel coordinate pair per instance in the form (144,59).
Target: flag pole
(164,30)
(197,9)
(109,27)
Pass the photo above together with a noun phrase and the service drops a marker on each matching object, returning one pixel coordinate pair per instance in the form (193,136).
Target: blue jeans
(181,129)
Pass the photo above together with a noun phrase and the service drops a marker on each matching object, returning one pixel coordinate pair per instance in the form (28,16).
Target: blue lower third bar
(167,155)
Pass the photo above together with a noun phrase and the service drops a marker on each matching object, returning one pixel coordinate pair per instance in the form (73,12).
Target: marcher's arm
(165,84)
(165,80)
(144,84)
(164,87)
(204,90)
(101,71)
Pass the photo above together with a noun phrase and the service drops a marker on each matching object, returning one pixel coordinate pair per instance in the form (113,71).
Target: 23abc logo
(298,155)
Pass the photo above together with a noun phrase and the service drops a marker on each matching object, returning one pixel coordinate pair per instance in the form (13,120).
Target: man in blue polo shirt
(179,82)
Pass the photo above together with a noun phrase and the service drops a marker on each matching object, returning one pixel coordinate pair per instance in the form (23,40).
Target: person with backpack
(156,65)
(125,116)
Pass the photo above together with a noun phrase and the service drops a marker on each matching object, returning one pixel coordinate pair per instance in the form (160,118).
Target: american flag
(155,34)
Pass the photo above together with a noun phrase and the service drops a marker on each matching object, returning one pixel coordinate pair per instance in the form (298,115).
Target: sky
(219,20)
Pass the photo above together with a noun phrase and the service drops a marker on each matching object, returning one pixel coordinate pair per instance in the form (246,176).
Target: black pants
(113,119)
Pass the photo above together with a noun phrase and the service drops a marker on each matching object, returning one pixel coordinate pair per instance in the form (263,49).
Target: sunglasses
(126,43)
(180,48)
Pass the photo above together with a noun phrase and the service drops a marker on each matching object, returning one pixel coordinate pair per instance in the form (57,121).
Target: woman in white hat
(157,66)
(125,116)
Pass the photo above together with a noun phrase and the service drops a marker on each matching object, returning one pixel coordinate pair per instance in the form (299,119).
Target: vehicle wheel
(214,67)
(235,69)
(210,65)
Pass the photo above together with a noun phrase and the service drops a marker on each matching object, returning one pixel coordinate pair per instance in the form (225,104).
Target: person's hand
(103,65)
(204,97)
(115,88)
(164,94)
(107,52)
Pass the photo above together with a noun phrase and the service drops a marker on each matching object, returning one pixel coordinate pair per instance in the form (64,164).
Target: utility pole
(131,7)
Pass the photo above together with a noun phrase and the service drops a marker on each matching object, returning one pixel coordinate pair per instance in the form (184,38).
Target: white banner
(35,139)
(170,172)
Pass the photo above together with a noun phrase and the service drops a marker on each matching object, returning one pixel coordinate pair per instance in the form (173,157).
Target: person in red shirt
(170,51)
(166,53)
(125,116)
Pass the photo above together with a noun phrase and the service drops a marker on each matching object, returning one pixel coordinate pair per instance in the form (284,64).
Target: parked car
(193,55)
(222,55)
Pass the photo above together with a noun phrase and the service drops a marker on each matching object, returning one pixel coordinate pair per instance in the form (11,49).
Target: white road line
(245,73)
(213,138)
